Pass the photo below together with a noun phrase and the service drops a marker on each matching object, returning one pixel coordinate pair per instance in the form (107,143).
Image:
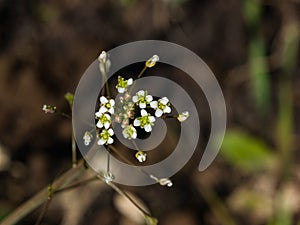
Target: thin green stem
(135,145)
(74,152)
(139,76)
(132,164)
(43,212)
(63,114)
(75,185)
(142,72)
(124,194)
(108,161)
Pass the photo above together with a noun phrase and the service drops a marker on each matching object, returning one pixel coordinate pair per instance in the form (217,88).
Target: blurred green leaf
(259,74)
(246,152)
(283,217)
(70,98)
(290,46)
(252,11)
(127,2)
(285,118)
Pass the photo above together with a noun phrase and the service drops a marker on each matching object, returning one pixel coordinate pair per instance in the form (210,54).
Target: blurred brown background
(252,47)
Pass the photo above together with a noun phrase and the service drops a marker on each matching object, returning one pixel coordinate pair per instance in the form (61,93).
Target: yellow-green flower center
(103,119)
(105,135)
(144,121)
(121,82)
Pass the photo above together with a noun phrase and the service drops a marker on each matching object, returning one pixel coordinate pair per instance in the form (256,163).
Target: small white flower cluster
(104,121)
(49,109)
(133,112)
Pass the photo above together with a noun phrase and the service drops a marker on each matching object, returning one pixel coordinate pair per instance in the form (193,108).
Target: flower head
(152,61)
(106,105)
(142,98)
(161,106)
(87,138)
(146,121)
(105,137)
(49,109)
(183,116)
(104,120)
(129,132)
(123,84)
(141,156)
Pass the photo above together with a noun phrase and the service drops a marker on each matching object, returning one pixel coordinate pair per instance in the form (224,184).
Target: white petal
(148,128)
(136,122)
(142,105)
(158,113)
(101,142)
(153,104)
(112,102)
(144,112)
(111,110)
(99,124)
(149,98)
(141,93)
(151,119)
(134,135)
(167,109)
(135,98)
(121,90)
(129,81)
(125,135)
(111,132)
(98,114)
(107,116)
(110,141)
(164,100)
(186,113)
(154,58)
(103,100)
(106,125)
(102,56)
(103,109)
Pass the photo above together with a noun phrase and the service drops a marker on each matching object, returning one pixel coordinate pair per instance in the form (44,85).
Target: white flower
(87,137)
(146,121)
(123,84)
(141,156)
(161,106)
(105,137)
(142,99)
(152,61)
(129,132)
(106,105)
(183,116)
(49,109)
(104,120)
